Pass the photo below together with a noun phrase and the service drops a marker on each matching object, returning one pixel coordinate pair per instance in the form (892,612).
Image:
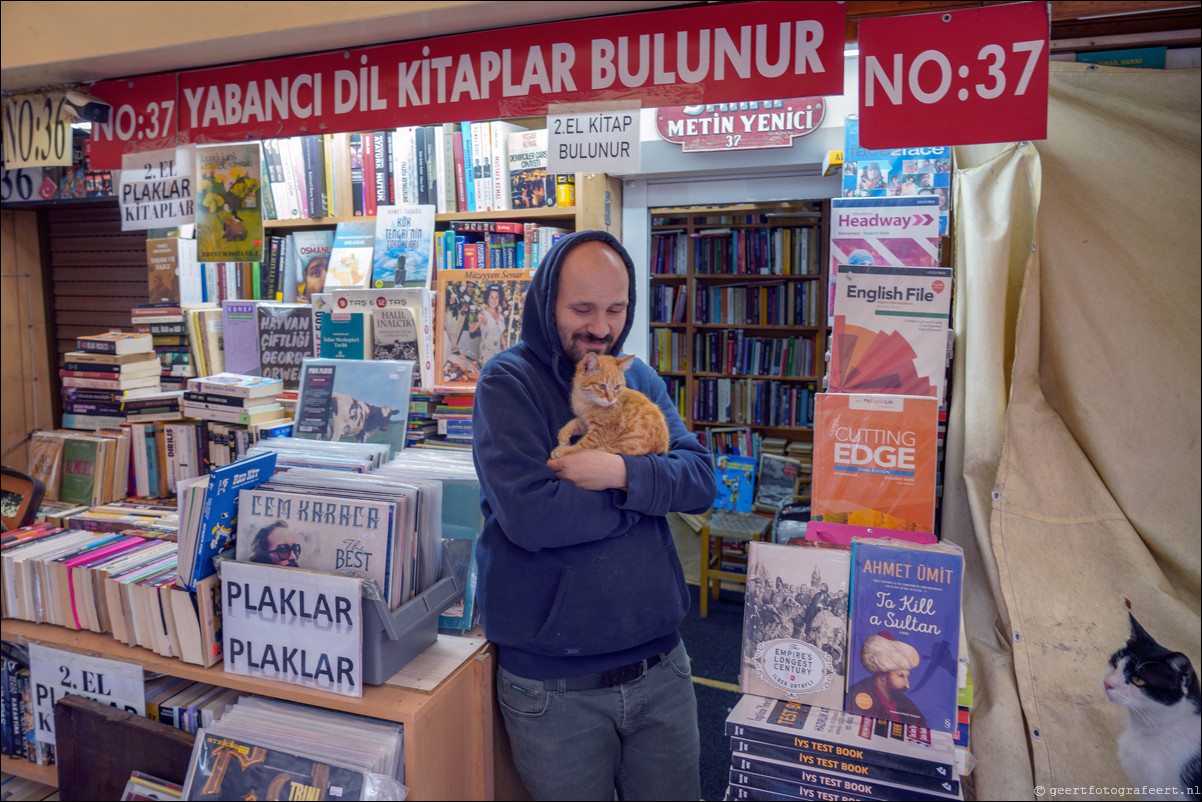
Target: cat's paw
(561,451)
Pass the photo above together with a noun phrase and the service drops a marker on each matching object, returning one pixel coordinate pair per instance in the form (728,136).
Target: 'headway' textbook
(875,460)
(904,632)
(890,330)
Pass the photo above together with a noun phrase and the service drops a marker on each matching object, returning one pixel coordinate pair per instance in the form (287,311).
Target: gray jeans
(639,738)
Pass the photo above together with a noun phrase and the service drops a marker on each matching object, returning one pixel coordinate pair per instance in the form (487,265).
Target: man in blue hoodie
(579,583)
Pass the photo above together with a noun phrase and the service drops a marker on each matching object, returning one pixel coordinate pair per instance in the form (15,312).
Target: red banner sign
(740,126)
(711,54)
(956,78)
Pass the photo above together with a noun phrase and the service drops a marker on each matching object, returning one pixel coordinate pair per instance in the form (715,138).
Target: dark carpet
(714,643)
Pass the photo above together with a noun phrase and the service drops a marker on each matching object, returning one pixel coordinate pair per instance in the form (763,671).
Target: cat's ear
(591,363)
(1138,632)
(625,361)
(1183,672)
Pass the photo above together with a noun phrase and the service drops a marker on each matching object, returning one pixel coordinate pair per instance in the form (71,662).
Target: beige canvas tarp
(1073,452)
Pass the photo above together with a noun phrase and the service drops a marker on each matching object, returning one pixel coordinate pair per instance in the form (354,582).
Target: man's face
(592,300)
(898,681)
(281,548)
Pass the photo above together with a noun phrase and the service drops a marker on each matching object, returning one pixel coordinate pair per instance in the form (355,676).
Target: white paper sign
(593,142)
(54,673)
(155,189)
(303,627)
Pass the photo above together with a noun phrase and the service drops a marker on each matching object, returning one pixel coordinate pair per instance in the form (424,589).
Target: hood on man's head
(539,328)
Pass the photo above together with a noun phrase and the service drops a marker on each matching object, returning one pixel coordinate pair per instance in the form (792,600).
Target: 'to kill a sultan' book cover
(875,460)
(795,623)
(904,645)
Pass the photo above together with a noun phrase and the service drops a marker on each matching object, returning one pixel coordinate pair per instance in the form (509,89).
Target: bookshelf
(737,313)
(454,743)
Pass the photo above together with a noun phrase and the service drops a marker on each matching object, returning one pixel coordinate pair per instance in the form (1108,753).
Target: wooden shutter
(97,271)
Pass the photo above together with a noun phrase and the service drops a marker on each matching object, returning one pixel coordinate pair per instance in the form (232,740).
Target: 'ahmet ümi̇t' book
(890,330)
(875,460)
(904,632)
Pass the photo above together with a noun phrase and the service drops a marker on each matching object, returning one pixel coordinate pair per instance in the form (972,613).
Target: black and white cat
(1159,690)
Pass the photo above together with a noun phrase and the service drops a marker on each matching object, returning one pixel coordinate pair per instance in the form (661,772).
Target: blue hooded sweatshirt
(575,581)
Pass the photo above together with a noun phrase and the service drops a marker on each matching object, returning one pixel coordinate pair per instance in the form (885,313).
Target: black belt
(610,678)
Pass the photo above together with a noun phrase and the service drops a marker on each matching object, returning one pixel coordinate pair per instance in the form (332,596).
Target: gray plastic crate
(393,638)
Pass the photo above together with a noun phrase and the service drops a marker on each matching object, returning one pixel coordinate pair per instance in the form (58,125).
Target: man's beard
(580,341)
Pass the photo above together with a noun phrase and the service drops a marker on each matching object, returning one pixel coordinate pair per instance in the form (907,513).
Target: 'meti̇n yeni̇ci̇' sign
(740,126)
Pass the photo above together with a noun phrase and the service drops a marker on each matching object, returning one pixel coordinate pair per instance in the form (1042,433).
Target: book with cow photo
(365,401)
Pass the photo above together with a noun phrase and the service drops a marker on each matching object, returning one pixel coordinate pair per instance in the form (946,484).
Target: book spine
(469,173)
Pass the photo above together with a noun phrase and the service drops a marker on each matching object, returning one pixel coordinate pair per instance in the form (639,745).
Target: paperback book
(240,336)
(419,303)
(890,330)
(903,645)
(736,482)
(348,335)
(350,258)
(404,246)
(312,250)
(794,623)
(229,214)
(285,340)
(875,460)
(880,748)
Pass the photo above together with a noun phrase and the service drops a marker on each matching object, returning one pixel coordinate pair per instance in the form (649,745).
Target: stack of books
(164,322)
(788,750)
(233,398)
(104,371)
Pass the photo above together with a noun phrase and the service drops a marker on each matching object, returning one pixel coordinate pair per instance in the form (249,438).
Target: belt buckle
(624,674)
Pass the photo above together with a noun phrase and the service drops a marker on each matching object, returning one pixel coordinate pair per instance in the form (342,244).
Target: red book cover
(369,175)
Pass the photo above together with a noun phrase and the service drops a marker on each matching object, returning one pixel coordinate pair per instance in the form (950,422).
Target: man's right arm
(513,433)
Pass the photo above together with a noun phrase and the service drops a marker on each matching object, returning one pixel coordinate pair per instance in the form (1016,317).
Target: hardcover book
(875,460)
(285,340)
(872,744)
(736,481)
(795,623)
(404,246)
(350,258)
(890,330)
(240,335)
(366,401)
(229,214)
(904,633)
(480,316)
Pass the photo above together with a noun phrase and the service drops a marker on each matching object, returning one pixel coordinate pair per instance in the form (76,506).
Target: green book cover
(79,470)
(346,335)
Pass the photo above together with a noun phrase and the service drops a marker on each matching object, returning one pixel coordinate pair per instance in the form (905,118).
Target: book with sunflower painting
(229,209)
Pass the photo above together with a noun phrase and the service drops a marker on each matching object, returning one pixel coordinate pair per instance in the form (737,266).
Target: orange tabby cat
(610,416)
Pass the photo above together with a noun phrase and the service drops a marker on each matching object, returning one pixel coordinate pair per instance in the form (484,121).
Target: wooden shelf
(47,775)
(680,226)
(443,698)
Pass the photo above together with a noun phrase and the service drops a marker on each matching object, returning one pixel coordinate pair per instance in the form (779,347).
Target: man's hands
(591,469)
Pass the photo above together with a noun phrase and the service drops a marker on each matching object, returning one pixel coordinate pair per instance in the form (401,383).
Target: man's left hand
(591,469)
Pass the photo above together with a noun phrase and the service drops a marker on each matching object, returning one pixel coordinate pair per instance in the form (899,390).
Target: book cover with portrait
(904,632)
